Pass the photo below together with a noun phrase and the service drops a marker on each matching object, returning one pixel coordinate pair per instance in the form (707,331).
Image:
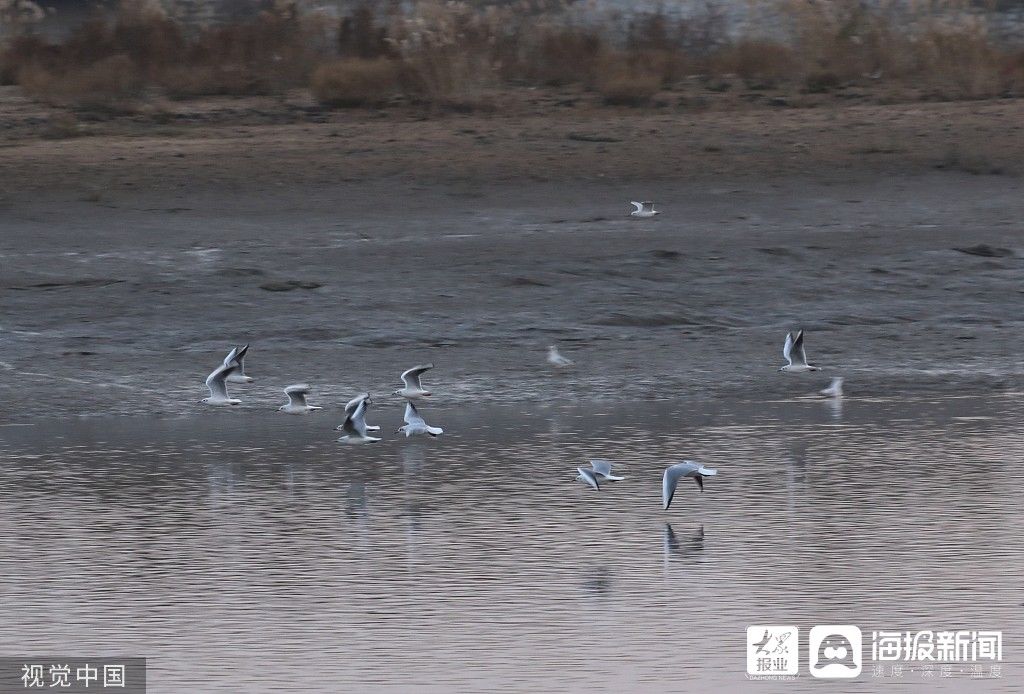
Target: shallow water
(253,553)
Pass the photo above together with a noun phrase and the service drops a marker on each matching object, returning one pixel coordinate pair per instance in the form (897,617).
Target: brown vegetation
(354,81)
(457,54)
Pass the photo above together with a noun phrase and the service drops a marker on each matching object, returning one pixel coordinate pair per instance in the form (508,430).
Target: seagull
(557,360)
(413,390)
(603,469)
(237,355)
(643,209)
(297,400)
(216,382)
(351,406)
(355,427)
(795,354)
(687,468)
(415,425)
(835,389)
(588,476)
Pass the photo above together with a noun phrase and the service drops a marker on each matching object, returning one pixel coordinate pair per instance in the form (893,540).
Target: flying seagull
(556,359)
(297,400)
(687,468)
(413,390)
(352,404)
(835,389)
(217,383)
(237,356)
(603,470)
(643,209)
(588,476)
(415,425)
(355,427)
(795,354)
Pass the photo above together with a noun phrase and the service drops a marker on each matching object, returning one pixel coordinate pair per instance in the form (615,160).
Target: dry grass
(355,81)
(110,84)
(626,87)
(457,54)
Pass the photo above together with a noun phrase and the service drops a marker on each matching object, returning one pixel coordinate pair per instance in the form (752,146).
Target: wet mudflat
(905,285)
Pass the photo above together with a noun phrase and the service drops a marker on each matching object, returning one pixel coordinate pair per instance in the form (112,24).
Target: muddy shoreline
(132,261)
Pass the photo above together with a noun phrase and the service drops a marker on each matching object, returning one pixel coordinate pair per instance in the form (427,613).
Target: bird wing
(232,356)
(240,356)
(638,205)
(411,377)
(648,206)
(352,404)
(412,416)
(671,479)
(589,477)
(798,347)
(355,422)
(787,349)
(601,467)
(297,394)
(216,380)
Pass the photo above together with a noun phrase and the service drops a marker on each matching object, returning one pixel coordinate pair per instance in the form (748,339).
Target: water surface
(244,552)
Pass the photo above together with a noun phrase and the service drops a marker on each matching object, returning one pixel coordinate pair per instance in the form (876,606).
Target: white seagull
(795,354)
(603,469)
(413,389)
(835,389)
(237,355)
(556,359)
(415,425)
(216,382)
(351,406)
(687,468)
(355,427)
(643,209)
(588,476)
(297,400)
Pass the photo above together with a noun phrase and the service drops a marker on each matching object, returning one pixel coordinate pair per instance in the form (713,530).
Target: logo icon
(772,651)
(834,651)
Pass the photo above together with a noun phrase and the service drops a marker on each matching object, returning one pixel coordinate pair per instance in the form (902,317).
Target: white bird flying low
(794,353)
(217,384)
(603,470)
(415,424)
(589,477)
(355,427)
(643,209)
(557,360)
(237,356)
(352,404)
(297,400)
(835,389)
(687,468)
(413,389)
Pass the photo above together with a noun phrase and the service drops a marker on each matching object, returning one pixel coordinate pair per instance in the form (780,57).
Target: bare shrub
(459,54)
(759,63)
(110,84)
(563,56)
(628,87)
(355,81)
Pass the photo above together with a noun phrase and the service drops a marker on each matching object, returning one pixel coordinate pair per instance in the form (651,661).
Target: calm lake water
(250,553)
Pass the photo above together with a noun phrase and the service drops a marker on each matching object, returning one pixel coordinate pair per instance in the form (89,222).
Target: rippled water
(253,553)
